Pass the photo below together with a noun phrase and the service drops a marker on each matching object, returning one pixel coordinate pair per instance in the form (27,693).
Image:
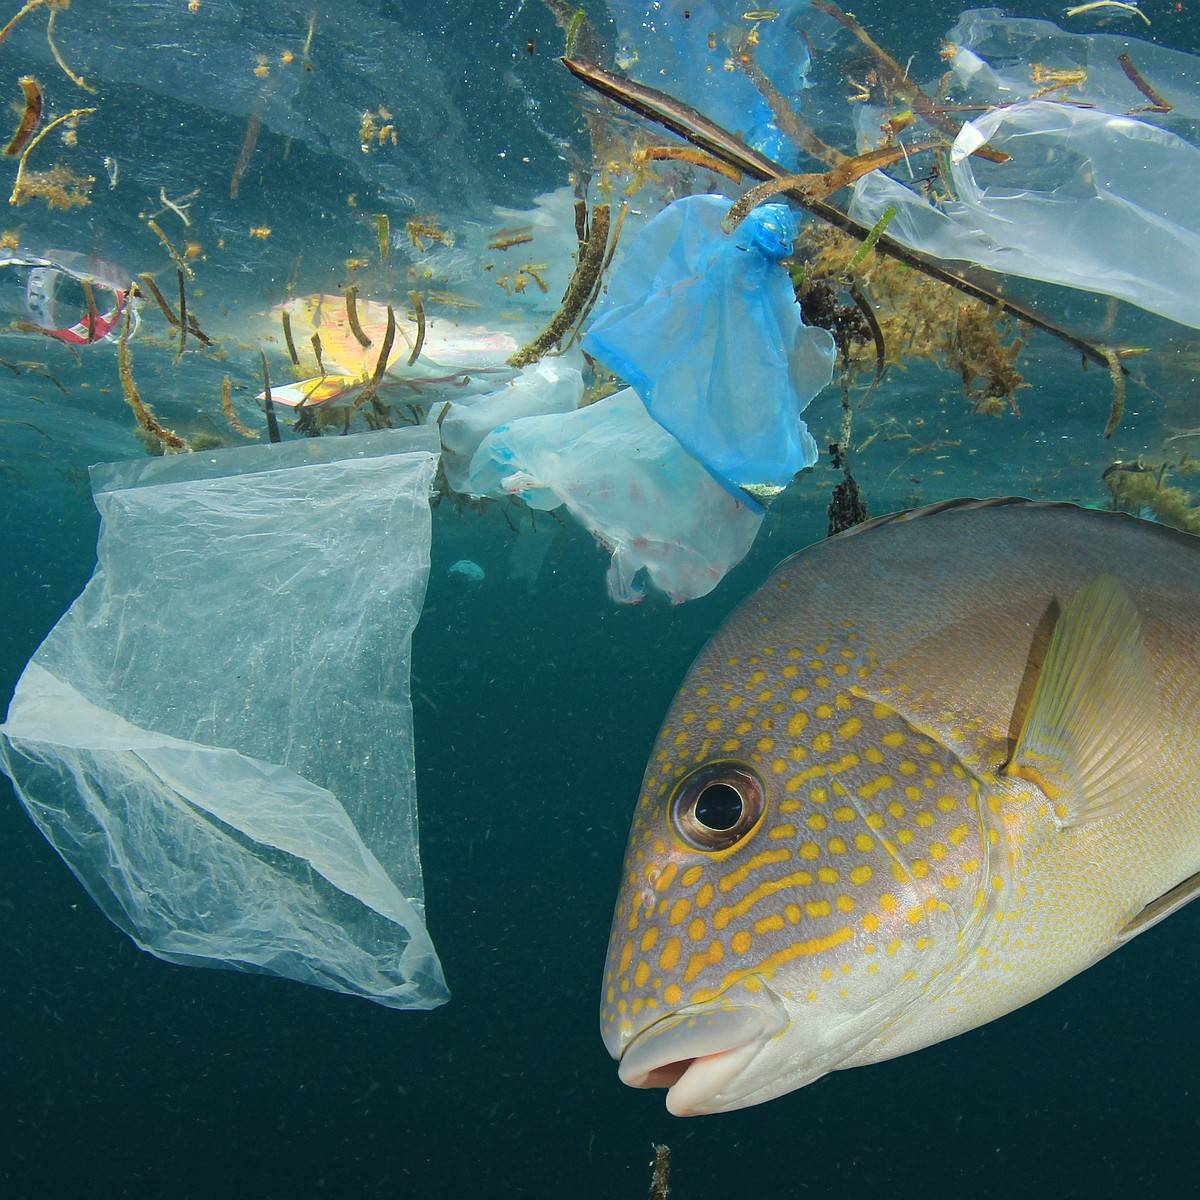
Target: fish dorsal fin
(1093,717)
(1164,906)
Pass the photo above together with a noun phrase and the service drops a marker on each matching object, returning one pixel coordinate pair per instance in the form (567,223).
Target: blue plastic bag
(684,47)
(705,327)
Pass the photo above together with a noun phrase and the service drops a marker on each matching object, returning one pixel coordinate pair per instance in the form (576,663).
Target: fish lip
(697,1051)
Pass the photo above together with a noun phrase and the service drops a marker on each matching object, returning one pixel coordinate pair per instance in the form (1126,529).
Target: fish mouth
(697,1052)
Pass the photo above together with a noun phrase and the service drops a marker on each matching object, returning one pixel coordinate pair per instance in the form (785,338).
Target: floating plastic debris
(625,478)
(217,737)
(468,571)
(705,327)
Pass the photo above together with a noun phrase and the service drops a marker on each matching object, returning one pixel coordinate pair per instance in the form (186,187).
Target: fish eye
(717,805)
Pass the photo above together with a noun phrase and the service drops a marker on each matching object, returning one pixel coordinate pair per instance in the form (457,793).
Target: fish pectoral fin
(1169,902)
(1093,718)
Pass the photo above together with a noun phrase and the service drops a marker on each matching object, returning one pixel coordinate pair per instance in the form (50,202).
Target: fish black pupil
(718,806)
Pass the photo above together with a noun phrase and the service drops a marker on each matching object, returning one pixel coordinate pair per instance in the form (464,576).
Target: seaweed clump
(59,186)
(1139,488)
(917,318)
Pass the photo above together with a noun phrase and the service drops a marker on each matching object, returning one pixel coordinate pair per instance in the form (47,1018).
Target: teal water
(535,704)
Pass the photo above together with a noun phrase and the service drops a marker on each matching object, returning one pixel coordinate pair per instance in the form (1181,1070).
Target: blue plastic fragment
(705,327)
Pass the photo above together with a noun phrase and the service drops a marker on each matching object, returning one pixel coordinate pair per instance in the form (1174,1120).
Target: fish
(931,769)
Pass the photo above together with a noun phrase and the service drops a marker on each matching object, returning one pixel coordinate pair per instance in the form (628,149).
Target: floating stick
(419,309)
(90,298)
(182,317)
(268,405)
(352,317)
(230,415)
(145,418)
(166,241)
(1157,105)
(253,126)
(77,80)
(286,321)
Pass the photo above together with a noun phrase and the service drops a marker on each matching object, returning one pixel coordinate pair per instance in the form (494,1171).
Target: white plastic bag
(217,736)
(550,385)
(624,477)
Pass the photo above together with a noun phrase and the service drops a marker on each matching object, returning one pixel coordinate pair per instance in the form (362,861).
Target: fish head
(782,903)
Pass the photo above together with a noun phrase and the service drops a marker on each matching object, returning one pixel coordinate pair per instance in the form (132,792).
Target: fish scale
(911,874)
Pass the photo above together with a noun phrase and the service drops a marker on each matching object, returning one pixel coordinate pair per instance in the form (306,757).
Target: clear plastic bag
(705,327)
(1090,200)
(217,736)
(626,479)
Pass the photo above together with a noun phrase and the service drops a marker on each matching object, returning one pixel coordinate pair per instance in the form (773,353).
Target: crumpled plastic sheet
(550,385)
(1000,59)
(1090,200)
(217,736)
(625,478)
(704,325)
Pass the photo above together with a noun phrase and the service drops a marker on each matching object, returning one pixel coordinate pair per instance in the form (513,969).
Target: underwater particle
(114,170)
(262,232)
(469,572)
(660,1181)
(193,6)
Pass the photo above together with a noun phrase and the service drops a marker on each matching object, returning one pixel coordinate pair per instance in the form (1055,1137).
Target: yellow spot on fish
(679,911)
(741,941)
(861,874)
(626,958)
(697,929)
(669,958)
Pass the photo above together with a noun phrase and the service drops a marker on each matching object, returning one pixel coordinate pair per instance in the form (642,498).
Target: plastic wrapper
(1091,200)
(217,736)
(625,478)
(705,327)
(548,386)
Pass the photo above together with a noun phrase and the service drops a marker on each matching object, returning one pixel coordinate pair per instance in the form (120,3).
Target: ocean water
(535,697)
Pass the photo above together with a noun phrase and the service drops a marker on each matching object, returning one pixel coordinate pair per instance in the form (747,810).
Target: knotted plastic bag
(625,478)
(217,736)
(705,327)
(1090,199)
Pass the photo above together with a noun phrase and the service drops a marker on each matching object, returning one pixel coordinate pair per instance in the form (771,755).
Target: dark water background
(122,1076)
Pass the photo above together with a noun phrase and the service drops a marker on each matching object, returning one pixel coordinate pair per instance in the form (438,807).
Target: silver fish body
(931,769)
